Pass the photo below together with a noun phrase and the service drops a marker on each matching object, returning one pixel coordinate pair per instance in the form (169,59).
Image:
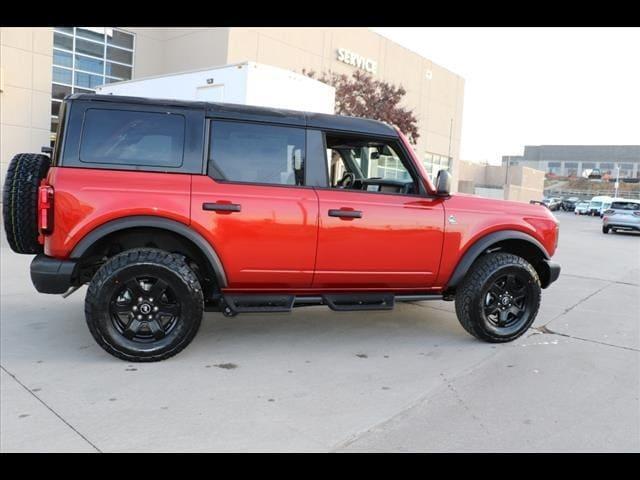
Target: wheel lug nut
(135,308)
(150,317)
(155,309)
(139,317)
(151,299)
(140,299)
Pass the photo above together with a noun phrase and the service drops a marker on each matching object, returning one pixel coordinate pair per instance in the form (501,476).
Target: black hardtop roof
(248,112)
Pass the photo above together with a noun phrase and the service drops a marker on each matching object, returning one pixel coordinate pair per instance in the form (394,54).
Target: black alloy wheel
(145,309)
(499,298)
(144,305)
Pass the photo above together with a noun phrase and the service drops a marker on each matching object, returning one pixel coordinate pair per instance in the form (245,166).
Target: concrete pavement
(314,380)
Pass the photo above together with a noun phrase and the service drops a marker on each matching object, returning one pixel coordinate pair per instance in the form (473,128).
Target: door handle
(222,207)
(338,212)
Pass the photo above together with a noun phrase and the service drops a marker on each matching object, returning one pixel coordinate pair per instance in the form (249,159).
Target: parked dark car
(569,204)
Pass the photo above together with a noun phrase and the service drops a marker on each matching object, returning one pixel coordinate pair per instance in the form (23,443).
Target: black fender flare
(154,222)
(482,244)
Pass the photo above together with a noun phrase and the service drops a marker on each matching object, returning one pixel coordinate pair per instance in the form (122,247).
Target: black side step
(343,302)
(258,303)
(232,305)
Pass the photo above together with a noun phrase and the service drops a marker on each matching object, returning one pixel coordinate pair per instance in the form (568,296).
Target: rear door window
(123,137)
(625,206)
(255,153)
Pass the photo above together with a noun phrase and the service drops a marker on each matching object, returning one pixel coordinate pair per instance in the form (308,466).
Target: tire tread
(480,271)
(20,201)
(155,256)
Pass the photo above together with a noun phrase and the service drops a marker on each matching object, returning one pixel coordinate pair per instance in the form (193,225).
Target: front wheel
(144,305)
(499,298)
(605,229)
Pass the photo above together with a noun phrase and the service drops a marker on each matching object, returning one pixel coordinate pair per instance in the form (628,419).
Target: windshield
(596,204)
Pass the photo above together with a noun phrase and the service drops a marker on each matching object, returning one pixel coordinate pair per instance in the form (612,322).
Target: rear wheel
(499,298)
(144,305)
(20,201)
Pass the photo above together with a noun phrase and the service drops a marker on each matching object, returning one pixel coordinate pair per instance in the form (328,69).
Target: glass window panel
(68,30)
(119,71)
(55,108)
(89,64)
(62,41)
(87,80)
(61,75)
(132,138)
(254,153)
(63,59)
(119,55)
(89,48)
(111,80)
(60,91)
(92,33)
(54,125)
(82,90)
(121,39)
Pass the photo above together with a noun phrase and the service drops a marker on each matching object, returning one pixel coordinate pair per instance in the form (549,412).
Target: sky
(537,86)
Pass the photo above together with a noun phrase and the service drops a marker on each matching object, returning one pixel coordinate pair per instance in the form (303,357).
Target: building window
(433,163)
(85,58)
(554,168)
(607,168)
(571,169)
(626,170)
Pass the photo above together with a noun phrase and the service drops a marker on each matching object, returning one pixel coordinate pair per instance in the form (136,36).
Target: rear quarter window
(120,137)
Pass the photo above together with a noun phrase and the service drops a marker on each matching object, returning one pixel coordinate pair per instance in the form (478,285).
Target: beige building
(38,66)
(517,183)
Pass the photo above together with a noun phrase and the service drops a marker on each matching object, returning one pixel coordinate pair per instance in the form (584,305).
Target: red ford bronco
(167,209)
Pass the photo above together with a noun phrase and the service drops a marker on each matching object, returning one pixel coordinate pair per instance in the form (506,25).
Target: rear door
(375,231)
(254,206)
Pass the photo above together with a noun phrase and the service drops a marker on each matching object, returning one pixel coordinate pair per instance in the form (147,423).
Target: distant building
(572,160)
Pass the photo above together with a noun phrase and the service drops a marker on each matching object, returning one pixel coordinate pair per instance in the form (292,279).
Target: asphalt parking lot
(407,380)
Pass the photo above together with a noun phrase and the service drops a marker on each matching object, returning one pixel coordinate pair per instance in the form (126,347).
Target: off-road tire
(20,201)
(470,296)
(142,262)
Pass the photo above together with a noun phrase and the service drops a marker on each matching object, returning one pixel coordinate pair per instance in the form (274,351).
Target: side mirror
(443,183)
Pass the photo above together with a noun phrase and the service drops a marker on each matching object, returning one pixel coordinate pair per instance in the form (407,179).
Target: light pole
(617,184)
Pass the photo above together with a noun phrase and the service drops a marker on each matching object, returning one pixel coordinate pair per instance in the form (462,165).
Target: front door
(375,230)
(254,208)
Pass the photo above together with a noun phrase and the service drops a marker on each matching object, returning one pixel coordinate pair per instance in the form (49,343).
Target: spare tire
(20,201)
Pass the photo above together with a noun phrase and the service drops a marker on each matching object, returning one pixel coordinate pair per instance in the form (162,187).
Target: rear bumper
(617,222)
(552,273)
(51,275)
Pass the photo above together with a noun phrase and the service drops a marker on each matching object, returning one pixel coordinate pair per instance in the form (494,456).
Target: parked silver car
(622,215)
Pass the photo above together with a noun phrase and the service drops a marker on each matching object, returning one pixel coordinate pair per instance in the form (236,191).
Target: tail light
(45,209)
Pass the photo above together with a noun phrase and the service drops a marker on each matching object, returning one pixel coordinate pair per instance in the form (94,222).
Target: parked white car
(595,205)
(582,208)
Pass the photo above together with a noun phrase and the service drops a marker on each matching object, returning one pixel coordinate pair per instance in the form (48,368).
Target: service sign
(358,61)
